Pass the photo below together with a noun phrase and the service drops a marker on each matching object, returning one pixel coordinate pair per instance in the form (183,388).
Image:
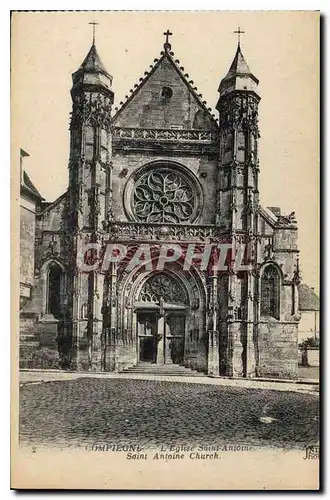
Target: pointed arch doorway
(161,320)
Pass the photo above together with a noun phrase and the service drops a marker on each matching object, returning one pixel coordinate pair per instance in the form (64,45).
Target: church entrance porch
(161,320)
(160,335)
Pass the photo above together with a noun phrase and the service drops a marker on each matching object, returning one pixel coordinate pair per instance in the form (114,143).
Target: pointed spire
(92,71)
(239,76)
(239,65)
(92,61)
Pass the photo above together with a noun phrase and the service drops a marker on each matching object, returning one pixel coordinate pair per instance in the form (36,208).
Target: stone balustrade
(127,231)
(165,134)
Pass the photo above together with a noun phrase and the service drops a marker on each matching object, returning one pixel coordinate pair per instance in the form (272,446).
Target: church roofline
(308,299)
(29,188)
(179,69)
(268,215)
(52,204)
(279,221)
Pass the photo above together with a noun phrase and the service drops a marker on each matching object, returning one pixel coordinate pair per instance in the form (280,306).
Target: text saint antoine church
(160,169)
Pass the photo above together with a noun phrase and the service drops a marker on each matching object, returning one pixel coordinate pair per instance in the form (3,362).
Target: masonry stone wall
(150,108)
(27,235)
(277,349)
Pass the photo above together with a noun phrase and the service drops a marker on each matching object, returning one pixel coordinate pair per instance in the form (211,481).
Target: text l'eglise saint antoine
(171,452)
(181,452)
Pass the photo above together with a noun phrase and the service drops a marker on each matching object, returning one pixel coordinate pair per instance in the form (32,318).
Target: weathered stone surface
(277,349)
(152,107)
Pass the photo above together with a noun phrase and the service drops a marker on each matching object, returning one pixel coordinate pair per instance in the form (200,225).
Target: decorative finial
(94,24)
(167,45)
(239,32)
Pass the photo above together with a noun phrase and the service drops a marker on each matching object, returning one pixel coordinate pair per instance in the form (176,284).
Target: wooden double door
(161,337)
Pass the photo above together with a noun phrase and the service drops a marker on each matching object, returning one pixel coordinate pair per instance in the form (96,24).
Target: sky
(281,48)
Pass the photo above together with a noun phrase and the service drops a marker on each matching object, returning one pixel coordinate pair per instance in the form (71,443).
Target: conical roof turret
(92,72)
(239,76)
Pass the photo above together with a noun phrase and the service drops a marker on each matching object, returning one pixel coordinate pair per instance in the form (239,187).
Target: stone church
(160,169)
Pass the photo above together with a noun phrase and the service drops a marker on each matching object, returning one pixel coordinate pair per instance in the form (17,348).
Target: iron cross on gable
(239,33)
(167,44)
(167,34)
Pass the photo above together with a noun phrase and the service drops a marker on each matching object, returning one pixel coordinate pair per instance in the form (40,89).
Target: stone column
(250,370)
(213,334)
(160,343)
(110,340)
(97,326)
(74,325)
(235,346)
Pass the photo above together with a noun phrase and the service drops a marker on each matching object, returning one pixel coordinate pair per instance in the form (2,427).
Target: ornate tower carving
(89,202)
(237,201)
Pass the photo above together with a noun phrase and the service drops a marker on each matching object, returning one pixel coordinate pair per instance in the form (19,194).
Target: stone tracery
(163,195)
(163,286)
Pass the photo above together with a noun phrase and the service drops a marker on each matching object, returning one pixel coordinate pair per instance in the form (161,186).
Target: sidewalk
(38,376)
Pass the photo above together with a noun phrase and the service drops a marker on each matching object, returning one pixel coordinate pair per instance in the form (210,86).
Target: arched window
(270,292)
(54,290)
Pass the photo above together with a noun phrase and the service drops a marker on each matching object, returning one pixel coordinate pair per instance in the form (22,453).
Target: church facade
(160,172)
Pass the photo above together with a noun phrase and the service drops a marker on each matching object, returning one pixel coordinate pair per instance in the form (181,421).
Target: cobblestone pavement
(36,376)
(83,411)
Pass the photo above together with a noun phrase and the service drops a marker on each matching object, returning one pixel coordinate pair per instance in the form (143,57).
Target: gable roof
(46,206)
(308,300)
(167,54)
(28,187)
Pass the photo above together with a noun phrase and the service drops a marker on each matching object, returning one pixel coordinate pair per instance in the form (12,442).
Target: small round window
(167,93)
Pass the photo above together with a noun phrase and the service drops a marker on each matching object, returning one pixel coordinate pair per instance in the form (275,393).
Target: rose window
(164,195)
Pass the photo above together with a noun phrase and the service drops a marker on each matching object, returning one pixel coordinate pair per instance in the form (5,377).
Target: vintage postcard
(165,228)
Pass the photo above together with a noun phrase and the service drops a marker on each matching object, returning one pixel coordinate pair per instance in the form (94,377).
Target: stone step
(162,367)
(165,374)
(171,370)
(159,368)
